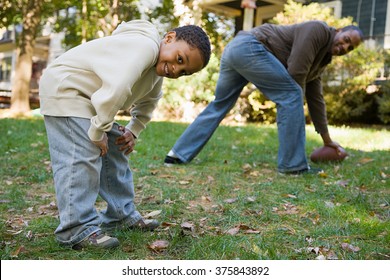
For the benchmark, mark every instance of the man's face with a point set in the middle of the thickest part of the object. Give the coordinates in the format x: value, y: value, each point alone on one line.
x: 344, y: 42
x: 177, y: 58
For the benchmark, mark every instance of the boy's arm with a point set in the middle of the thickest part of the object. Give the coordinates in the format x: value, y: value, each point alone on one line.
x: 142, y: 111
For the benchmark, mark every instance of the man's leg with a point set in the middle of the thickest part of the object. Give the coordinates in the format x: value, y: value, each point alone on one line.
x: 228, y: 89
x: 273, y: 80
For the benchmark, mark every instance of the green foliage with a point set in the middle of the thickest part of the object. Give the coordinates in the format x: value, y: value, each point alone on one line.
x: 220, y: 30
x: 163, y: 14
x: 383, y: 101
x: 263, y: 110
x: 197, y: 88
x: 12, y: 12
x: 346, y: 82
x: 295, y: 12
x: 87, y: 20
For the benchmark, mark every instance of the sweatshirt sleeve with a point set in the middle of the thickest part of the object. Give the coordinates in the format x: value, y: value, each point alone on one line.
x: 316, y: 105
x: 309, y: 38
x: 142, y: 111
x: 119, y: 65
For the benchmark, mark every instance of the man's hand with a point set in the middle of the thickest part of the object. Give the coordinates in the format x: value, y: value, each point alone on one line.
x: 126, y: 141
x: 103, y: 145
x: 330, y: 143
x: 251, y: 4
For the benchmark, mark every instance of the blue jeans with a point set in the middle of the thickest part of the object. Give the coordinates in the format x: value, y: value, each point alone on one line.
x: 81, y: 174
x: 245, y: 60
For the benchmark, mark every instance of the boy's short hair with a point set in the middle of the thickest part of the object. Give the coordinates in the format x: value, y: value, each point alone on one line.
x: 197, y: 38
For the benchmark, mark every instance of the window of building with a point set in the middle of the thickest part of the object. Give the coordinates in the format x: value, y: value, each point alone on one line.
x: 5, y: 69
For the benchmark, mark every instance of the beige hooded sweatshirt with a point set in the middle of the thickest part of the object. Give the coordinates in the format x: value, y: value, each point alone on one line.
x: 98, y: 78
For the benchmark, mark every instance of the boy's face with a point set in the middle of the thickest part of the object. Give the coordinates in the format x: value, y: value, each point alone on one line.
x: 177, y: 58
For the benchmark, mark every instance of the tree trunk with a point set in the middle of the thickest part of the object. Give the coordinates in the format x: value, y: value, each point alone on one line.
x: 20, y: 103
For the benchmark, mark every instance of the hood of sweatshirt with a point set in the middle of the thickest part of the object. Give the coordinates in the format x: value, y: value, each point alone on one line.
x: 141, y: 27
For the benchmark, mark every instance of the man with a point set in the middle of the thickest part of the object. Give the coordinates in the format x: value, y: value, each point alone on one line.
x: 284, y: 63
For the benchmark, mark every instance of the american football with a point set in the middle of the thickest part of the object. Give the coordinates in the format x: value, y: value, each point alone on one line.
x: 326, y: 154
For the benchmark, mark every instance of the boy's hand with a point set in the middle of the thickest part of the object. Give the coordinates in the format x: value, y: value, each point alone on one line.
x: 103, y: 145
x: 126, y: 141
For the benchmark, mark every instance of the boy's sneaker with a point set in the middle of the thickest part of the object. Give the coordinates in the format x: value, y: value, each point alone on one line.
x: 97, y: 240
x: 168, y: 161
x: 309, y: 170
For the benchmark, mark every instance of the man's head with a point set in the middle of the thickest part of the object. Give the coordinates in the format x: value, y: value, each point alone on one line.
x: 183, y: 51
x: 347, y: 39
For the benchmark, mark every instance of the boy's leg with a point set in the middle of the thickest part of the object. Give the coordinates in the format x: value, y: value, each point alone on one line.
x: 228, y: 89
x: 117, y: 187
x: 76, y: 166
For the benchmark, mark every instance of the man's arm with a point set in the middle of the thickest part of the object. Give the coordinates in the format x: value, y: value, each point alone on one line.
x: 309, y: 39
x: 317, y: 110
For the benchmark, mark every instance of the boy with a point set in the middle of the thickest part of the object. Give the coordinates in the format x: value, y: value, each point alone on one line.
x: 80, y: 94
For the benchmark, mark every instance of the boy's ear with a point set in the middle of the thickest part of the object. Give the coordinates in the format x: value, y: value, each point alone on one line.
x: 170, y: 37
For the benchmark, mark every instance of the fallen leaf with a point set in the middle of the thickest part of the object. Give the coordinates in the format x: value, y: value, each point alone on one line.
x: 183, y: 182
x: 233, y: 231
x: 323, y: 174
x: 366, y: 160
x: 16, y: 253
x: 331, y: 256
x: 309, y: 239
x: 230, y: 200
x: 158, y: 245
x: 167, y: 224
x: 153, y: 172
x: 383, y: 175
x: 246, y: 167
x: 314, y: 250
x: 329, y: 204
x: 187, y: 226
x: 251, y: 231
x: 343, y: 183
x: 29, y: 235
x: 166, y: 176
x: 153, y: 214
x: 210, y: 179
x: 349, y: 247
x: 289, y: 195
x: 254, y: 173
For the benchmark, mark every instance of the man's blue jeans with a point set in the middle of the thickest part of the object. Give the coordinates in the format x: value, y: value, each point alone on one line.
x: 245, y: 60
x: 81, y: 174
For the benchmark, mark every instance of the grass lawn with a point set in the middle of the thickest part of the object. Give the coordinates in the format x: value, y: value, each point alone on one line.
x: 229, y: 203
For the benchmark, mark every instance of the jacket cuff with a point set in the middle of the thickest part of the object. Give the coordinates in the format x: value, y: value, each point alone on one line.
x: 95, y: 134
x: 136, y: 127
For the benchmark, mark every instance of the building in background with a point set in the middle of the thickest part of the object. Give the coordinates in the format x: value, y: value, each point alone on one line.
x: 47, y: 47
